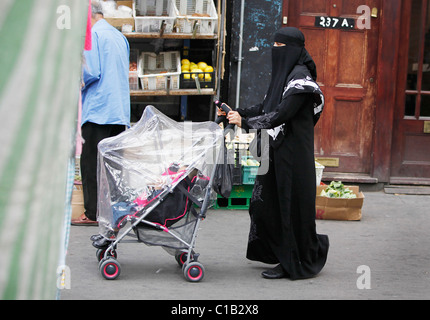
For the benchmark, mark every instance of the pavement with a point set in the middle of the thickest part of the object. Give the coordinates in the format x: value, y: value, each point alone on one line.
x: 385, y: 256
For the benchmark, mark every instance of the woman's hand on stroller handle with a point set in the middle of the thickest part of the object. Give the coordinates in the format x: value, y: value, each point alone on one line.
x: 234, y: 118
x: 223, y: 110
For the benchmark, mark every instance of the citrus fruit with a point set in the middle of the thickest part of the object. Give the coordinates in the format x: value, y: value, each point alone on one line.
x: 202, y: 65
x: 186, y: 75
x: 200, y: 73
x: 208, y: 69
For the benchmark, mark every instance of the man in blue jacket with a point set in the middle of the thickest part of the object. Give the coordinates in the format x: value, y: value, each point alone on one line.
x: 105, y: 102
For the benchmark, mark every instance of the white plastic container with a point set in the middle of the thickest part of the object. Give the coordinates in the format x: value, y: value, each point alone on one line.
x: 198, y: 16
x: 149, y: 15
x: 159, y: 72
x: 319, y: 169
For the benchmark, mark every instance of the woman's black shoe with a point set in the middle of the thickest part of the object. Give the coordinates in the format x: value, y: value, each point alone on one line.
x: 275, y: 273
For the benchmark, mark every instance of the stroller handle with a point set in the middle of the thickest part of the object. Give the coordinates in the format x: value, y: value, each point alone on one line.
x: 229, y: 127
x: 223, y: 119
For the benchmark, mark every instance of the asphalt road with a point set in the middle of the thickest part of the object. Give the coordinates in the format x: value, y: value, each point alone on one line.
x: 385, y: 256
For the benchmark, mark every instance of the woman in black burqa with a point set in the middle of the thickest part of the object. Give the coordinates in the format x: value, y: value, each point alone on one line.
x: 282, y: 208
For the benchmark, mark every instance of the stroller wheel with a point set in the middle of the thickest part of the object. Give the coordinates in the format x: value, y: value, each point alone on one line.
x: 110, y: 268
x: 194, y: 271
x: 101, y: 253
x: 181, y: 258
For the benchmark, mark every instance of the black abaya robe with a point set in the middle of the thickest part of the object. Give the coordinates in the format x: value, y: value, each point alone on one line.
x: 282, y: 208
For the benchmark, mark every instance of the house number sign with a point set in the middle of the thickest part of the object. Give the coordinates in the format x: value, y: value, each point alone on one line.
x: 334, y: 22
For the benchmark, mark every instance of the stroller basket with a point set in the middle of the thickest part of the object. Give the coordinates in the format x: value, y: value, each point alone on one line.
x: 154, y: 237
x: 157, y: 176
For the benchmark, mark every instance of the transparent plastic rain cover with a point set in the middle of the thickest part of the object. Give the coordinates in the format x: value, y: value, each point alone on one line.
x: 148, y: 161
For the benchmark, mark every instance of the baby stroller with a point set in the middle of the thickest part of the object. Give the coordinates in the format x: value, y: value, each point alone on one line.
x: 155, y: 187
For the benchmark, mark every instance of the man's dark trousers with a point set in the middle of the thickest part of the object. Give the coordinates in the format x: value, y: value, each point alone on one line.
x: 92, y: 134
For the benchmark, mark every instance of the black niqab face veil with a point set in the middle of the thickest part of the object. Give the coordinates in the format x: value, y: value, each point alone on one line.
x: 284, y: 59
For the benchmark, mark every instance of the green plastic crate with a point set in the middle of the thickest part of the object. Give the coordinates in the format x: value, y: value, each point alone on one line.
x: 239, y: 199
x: 249, y: 174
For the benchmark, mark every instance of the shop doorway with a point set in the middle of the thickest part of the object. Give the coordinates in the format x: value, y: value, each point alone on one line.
x: 344, y: 47
x: 411, y: 127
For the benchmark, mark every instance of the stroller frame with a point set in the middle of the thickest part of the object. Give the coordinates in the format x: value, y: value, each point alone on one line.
x: 192, y: 269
